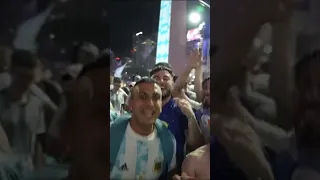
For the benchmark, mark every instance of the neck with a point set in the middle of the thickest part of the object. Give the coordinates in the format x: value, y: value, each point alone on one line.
x: 165, y: 101
x: 142, y: 130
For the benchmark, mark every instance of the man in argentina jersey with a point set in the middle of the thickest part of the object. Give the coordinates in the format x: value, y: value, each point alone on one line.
x: 140, y: 155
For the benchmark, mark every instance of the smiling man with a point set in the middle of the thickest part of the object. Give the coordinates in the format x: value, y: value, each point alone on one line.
x: 142, y: 146
x: 177, y: 113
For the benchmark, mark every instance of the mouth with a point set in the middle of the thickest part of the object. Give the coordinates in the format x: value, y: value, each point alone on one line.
x: 148, y: 113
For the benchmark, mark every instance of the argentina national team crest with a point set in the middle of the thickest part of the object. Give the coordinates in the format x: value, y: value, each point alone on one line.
x: 157, y: 166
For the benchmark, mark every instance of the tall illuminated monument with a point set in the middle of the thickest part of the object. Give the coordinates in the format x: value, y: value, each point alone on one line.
x: 171, y: 44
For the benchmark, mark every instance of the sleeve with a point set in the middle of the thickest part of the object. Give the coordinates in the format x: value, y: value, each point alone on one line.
x: 173, y: 163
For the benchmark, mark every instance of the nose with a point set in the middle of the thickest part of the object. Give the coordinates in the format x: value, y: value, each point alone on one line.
x: 149, y: 103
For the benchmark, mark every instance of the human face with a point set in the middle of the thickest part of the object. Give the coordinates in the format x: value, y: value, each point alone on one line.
x: 116, y: 86
x: 146, y: 103
x: 22, y: 78
x: 165, y: 81
x: 206, y: 94
x: 309, y: 96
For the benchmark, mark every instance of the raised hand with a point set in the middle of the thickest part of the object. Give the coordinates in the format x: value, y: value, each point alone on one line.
x: 185, y: 106
x: 195, y: 59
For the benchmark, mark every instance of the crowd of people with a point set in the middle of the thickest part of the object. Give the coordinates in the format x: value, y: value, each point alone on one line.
x: 261, y: 122
x: 39, y: 113
x: 248, y: 120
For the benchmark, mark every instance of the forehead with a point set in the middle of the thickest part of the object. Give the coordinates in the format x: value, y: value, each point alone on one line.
x: 148, y: 88
x: 162, y: 73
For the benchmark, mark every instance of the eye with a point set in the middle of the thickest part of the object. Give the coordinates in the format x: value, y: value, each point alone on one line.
x: 156, y: 97
x: 143, y: 96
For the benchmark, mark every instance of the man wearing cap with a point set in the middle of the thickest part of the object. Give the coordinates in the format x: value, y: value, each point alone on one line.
x: 177, y: 113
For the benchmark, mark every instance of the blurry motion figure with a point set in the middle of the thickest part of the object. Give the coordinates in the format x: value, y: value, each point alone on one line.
x: 23, y: 130
x: 86, y: 126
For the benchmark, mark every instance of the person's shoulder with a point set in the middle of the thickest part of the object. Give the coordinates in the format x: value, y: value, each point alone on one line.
x: 165, y: 124
x: 302, y: 173
x: 194, y: 157
x: 198, y: 152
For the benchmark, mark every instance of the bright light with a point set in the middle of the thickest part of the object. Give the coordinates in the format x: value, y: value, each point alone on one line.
x: 139, y: 33
x: 194, y: 18
x: 164, y: 31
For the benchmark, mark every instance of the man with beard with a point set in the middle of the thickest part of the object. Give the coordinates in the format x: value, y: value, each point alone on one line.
x: 177, y: 113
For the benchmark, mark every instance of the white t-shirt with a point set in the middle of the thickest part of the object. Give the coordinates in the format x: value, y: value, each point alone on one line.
x: 22, y: 123
x: 5, y: 81
x: 140, y: 157
x: 117, y: 99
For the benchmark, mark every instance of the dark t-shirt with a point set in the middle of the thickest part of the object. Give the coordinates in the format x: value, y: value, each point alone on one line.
x: 177, y: 124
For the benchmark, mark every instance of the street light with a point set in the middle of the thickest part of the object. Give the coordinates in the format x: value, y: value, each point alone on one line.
x: 139, y: 33
x: 194, y: 18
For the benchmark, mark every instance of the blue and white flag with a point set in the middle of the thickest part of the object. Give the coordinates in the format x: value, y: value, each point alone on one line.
x: 119, y: 70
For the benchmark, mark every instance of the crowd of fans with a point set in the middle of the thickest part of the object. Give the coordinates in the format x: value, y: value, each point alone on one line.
x: 244, y: 122
x: 260, y: 124
x: 38, y: 111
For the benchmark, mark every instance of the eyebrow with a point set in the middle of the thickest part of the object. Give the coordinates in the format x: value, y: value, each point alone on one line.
x: 153, y: 94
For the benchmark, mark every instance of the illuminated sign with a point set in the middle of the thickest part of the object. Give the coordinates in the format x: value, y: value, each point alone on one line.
x: 164, y: 32
x: 193, y: 34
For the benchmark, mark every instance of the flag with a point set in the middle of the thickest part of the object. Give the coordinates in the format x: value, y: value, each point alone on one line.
x: 28, y: 31
x: 119, y: 70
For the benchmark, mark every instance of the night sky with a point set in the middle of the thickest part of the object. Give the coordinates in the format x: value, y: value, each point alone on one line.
x: 130, y: 17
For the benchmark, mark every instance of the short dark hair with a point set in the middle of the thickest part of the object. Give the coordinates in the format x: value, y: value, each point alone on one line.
x: 117, y: 80
x: 303, y: 63
x: 145, y: 80
x: 23, y: 58
x: 142, y: 80
x: 162, y: 66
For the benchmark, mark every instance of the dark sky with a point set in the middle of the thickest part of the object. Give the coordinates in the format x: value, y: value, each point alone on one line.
x: 130, y: 17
